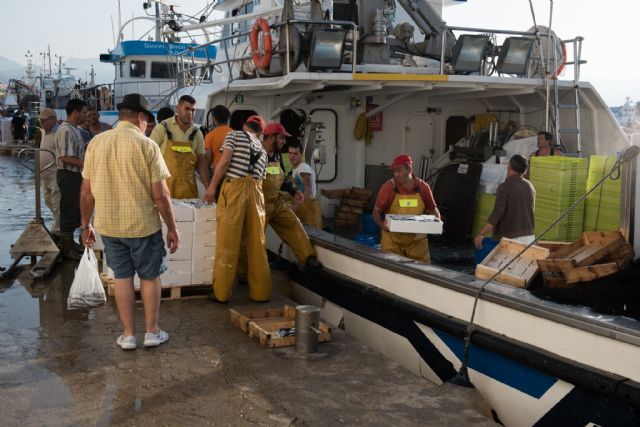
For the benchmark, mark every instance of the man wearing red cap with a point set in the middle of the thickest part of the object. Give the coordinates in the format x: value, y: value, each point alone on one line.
x: 240, y: 212
x: 278, y: 213
x: 405, y: 194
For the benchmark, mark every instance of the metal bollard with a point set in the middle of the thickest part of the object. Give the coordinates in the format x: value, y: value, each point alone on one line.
x: 307, y: 328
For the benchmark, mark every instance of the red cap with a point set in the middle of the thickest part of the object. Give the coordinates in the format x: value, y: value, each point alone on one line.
x: 402, y: 159
x: 275, y: 128
x: 257, y: 119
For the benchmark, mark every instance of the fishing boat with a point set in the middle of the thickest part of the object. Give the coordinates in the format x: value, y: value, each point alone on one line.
x: 323, y: 69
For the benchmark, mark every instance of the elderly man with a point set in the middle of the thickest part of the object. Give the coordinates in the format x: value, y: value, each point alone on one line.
x: 405, y: 194
x: 125, y: 180
x: 182, y: 146
x: 512, y: 214
x: 240, y: 212
x: 70, y: 150
x: 48, y: 182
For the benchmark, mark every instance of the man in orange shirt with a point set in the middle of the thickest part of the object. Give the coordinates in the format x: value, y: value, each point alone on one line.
x: 214, y: 139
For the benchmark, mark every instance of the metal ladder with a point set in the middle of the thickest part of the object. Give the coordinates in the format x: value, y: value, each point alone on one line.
x: 573, y: 104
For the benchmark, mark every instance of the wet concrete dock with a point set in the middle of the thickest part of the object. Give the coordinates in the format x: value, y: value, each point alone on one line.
x: 60, y: 367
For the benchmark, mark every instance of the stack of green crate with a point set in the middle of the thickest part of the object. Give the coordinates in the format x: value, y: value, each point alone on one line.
x: 484, y: 207
x: 559, y: 183
x: 602, y: 209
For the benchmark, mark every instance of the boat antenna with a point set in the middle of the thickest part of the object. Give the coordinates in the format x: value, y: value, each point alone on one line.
x: 113, y: 32
x: 462, y: 377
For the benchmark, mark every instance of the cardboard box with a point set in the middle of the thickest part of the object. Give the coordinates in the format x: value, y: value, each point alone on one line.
x: 201, y: 264
x: 204, y: 227
x: 201, y: 211
x: 203, y: 251
x: 202, y: 277
x: 175, y: 279
x: 183, y: 212
x: 182, y: 266
x: 204, y: 239
x: 420, y: 224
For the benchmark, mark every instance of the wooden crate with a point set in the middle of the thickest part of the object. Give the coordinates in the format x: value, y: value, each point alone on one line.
x: 521, y: 272
x: 242, y: 319
x: 591, y: 248
x: 334, y: 194
x: 613, y: 263
x: 267, y: 332
x: 265, y: 324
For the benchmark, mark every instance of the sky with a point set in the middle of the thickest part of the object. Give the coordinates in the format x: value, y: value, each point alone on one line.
x: 83, y: 29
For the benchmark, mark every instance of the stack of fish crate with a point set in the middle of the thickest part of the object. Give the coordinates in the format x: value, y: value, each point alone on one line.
x: 559, y: 183
x: 192, y: 263
x: 602, y: 208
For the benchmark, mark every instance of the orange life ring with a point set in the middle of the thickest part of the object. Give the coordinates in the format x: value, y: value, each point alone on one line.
x: 261, y: 26
x: 564, y: 59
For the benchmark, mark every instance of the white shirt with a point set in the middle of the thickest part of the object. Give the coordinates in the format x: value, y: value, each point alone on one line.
x: 305, y: 168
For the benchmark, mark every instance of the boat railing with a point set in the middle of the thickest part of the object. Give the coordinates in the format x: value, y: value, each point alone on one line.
x: 553, y: 63
x: 192, y: 72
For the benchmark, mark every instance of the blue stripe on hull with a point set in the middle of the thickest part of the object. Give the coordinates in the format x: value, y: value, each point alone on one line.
x: 517, y: 375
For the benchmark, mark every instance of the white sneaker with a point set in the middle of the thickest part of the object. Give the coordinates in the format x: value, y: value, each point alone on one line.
x: 126, y: 343
x: 154, y: 340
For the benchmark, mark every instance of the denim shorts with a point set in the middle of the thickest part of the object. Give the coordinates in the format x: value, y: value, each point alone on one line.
x: 143, y: 255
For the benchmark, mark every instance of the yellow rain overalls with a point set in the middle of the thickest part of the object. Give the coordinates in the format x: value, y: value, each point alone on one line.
x: 241, y: 213
x: 310, y: 213
x: 410, y: 245
x: 181, y: 161
x: 280, y: 216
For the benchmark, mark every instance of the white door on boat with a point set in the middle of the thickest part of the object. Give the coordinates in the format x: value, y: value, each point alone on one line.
x: 418, y: 139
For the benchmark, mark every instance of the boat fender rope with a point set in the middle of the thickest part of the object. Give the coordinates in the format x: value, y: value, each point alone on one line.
x: 261, y: 27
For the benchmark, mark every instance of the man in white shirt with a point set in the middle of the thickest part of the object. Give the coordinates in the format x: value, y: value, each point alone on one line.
x: 305, y: 178
x: 48, y: 180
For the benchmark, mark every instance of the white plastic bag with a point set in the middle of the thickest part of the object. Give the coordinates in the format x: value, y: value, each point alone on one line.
x: 86, y: 290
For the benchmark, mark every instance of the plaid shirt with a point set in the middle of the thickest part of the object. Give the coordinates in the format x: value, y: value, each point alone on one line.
x: 68, y: 143
x: 121, y: 164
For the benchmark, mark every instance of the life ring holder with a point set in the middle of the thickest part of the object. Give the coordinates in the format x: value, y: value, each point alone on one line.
x: 261, y: 26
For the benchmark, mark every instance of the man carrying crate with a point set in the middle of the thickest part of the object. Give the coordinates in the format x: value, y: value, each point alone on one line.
x: 405, y: 194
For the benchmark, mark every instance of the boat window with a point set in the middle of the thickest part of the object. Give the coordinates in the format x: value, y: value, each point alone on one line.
x: 163, y: 70
x: 137, y: 68
x: 242, y: 26
x: 238, y: 118
x: 121, y: 68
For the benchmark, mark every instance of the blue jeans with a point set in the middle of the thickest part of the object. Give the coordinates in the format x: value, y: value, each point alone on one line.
x: 144, y: 255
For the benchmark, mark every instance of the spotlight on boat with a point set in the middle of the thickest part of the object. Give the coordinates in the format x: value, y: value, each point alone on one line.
x: 514, y: 56
x: 326, y: 49
x: 469, y: 53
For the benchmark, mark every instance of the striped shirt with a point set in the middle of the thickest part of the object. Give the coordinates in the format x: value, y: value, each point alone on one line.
x: 242, y: 144
x: 69, y: 143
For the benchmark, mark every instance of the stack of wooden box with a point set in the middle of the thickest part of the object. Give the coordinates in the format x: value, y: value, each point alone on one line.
x: 192, y: 263
x: 596, y: 254
x: 352, y: 205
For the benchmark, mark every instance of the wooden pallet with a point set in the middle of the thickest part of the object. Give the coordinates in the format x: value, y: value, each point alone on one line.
x: 521, y: 272
x: 592, y: 247
x: 265, y: 325
x: 168, y: 293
